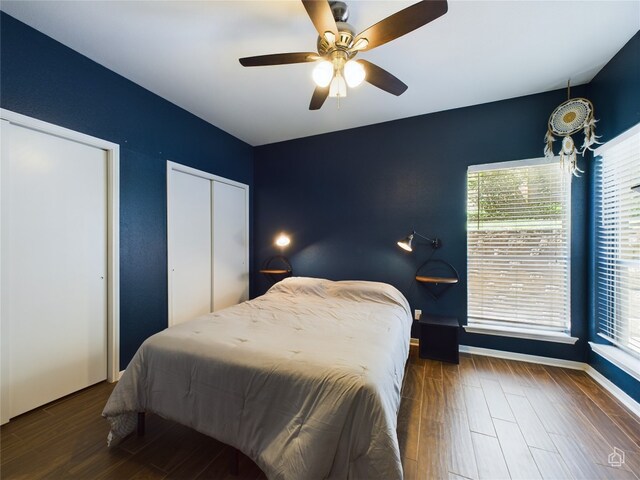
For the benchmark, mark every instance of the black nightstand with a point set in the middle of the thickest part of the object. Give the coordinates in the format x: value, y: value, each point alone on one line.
x: 439, y: 338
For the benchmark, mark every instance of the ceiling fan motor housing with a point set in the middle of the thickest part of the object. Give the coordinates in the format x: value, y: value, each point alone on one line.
x: 340, y: 11
x: 346, y: 32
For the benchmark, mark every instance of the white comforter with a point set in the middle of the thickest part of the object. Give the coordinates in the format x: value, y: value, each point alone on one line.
x: 305, y: 380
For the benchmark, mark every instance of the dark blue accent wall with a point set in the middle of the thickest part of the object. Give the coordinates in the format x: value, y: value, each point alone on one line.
x: 347, y: 197
x: 44, y: 79
x: 615, y: 92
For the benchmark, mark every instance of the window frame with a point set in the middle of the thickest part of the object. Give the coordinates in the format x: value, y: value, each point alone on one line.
x: 508, y: 329
x: 609, y: 348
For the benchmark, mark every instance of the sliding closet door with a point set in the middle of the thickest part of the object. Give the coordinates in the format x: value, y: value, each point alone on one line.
x: 54, y: 265
x: 189, y: 206
x: 230, y: 245
x: 208, y: 242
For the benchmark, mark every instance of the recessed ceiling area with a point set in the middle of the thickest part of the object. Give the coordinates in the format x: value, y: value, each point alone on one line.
x: 479, y: 51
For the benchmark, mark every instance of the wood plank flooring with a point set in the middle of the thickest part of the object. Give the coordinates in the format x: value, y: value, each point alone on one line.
x: 486, y: 418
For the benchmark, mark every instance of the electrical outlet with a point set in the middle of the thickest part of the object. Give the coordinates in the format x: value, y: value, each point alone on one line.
x: 416, y: 314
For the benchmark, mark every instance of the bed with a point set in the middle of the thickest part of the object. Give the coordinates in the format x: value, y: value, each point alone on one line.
x: 305, y: 380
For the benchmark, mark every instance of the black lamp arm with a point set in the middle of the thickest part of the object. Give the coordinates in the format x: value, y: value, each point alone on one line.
x: 435, y: 242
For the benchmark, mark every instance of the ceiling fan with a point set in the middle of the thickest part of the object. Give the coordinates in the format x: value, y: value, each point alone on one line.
x: 338, y: 45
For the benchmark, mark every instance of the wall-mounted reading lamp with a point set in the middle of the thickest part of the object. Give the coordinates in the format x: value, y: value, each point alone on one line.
x: 436, y: 275
x: 407, y: 242
x: 282, y: 240
x: 278, y: 266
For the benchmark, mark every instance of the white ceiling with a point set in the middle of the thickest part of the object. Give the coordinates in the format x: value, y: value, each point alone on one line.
x: 480, y: 51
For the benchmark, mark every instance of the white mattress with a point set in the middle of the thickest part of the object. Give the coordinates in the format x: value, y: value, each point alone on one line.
x: 305, y: 380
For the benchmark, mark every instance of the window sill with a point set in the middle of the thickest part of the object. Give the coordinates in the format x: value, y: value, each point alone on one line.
x: 543, y: 336
x: 619, y: 358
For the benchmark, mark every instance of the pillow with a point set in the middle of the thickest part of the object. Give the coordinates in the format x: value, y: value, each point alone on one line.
x: 301, y: 286
x: 364, y: 291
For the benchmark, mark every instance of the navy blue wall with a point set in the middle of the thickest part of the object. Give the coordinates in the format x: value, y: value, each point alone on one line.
x: 46, y: 80
x: 347, y: 197
x: 615, y: 92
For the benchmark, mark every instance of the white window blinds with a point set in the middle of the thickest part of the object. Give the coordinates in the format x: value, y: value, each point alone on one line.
x: 518, y: 241
x: 618, y: 241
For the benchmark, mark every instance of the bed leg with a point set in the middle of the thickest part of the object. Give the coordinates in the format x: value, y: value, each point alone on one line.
x: 234, y: 458
x: 140, y: 424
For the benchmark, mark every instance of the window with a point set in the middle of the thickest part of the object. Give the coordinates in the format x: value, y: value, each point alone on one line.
x: 618, y: 241
x: 518, y: 240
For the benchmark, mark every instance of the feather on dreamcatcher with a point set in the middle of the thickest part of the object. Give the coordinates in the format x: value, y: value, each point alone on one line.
x: 568, y: 118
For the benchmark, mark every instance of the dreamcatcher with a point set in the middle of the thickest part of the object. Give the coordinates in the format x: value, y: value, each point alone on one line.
x: 568, y: 118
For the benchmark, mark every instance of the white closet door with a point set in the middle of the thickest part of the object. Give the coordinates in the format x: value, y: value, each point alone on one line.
x: 54, y: 265
x: 190, y: 246
x: 230, y: 245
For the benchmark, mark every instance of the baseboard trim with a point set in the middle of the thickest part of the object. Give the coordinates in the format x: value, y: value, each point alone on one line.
x: 603, y: 381
x: 523, y: 357
x: 614, y: 390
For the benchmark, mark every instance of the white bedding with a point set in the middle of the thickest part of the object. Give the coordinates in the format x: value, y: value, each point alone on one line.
x: 305, y: 380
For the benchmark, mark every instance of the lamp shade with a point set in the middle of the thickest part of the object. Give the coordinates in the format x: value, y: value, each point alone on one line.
x: 283, y: 240
x: 405, y: 243
x: 338, y: 87
x: 323, y: 73
x: 354, y: 73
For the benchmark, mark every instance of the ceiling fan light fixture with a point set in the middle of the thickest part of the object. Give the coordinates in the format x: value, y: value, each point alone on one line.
x: 323, y: 73
x: 354, y: 73
x: 338, y: 87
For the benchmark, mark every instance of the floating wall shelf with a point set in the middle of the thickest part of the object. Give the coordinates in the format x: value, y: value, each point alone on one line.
x: 437, y: 276
x: 275, y: 271
x: 276, y: 268
x: 436, y: 280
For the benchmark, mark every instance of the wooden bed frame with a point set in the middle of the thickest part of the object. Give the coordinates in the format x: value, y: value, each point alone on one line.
x: 234, y: 453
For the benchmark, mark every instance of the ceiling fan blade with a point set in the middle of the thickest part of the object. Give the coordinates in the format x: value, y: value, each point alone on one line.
x: 279, y: 59
x: 320, y: 14
x: 402, y: 22
x: 382, y: 79
x: 320, y: 94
